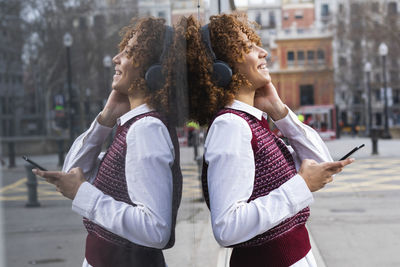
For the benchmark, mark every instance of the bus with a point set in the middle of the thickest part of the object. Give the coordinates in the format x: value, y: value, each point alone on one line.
x: 320, y: 117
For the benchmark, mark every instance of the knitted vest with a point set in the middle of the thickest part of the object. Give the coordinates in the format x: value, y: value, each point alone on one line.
x: 104, y: 248
x: 274, y: 166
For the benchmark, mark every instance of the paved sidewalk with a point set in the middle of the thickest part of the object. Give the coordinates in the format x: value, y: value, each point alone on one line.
x: 354, y: 220
x: 53, y: 235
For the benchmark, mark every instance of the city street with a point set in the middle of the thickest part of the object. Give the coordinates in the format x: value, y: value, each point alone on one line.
x: 354, y: 220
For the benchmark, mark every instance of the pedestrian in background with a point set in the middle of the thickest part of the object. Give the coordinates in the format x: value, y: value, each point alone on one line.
x: 258, y: 189
x: 129, y: 197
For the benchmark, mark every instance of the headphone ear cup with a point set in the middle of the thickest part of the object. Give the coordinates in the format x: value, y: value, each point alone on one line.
x: 154, y: 77
x: 222, y: 73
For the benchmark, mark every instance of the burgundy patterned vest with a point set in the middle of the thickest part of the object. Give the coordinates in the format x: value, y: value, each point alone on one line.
x: 104, y: 248
x: 287, y: 242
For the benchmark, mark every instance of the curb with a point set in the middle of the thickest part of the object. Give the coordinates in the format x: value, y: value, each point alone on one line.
x: 315, y: 250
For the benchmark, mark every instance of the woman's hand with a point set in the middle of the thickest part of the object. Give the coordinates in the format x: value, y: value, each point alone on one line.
x: 317, y: 175
x: 267, y: 99
x: 116, y: 106
x: 66, y: 183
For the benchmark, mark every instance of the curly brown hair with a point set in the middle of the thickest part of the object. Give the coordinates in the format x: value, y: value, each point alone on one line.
x: 205, y: 97
x: 150, y: 35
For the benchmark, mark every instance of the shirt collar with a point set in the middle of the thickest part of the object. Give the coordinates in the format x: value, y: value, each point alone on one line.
x: 144, y: 108
x: 239, y: 105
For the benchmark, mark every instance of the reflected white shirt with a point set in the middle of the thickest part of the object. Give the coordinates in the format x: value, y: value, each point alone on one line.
x: 231, y: 171
x: 149, y: 157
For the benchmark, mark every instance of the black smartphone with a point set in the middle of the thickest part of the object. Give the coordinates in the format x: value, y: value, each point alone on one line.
x: 33, y: 163
x: 352, y: 151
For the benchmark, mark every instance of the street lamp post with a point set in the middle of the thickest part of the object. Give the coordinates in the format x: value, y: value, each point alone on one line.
x: 67, y: 43
x: 107, y: 62
x: 367, y: 70
x: 383, y: 51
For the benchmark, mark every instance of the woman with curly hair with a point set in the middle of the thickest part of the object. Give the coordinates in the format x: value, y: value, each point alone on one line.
x: 129, y: 198
x: 258, y: 189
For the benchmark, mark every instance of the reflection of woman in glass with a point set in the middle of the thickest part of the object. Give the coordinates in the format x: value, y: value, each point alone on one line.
x: 258, y: 189
x: 130, y: 197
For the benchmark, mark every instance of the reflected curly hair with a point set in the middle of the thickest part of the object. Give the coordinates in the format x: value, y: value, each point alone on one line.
x: 150, y: 35
x: 205, y: 97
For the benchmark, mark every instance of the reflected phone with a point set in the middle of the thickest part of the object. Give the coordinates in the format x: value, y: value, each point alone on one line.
x: 352, y: 151
x: 34, y: 163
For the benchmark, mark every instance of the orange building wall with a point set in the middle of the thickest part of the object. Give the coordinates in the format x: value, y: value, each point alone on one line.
x: 305, y: 22
x: 295, y: 45
x: 288, y: 86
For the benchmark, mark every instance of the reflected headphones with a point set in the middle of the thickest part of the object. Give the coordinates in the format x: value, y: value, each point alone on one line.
x: 154, y: 76
x: 222, y: 73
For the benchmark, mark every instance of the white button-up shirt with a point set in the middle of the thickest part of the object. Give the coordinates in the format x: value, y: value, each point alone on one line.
x: 231, y: 170
x: 149, y: 158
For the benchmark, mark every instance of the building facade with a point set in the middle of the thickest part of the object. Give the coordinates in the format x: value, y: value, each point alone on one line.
x: 11, y: 72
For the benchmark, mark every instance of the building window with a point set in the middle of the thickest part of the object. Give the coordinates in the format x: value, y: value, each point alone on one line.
x: 342, y: 62
x: 325, y: 10
x: 161, y: 14
x: 83, y: 22
x: 356, y: 45
x: 396, y: 96
x: 357, y: 97
x: 290, y: 57
x: 306, y: 95
x: 258, y: 18
x: 300, y: 57
x: 377, y: 95
x: 375, y: 7
x: 272, y: 22
x: 321, y: 56
x: 298, y: 14
x: 286, y: 15
x: 378, y: 119
x: 341, y: 9
x: 310, y: 56
x: 392, y: 8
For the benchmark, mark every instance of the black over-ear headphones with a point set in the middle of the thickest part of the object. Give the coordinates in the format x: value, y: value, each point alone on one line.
x: 222, y: 73
x: 154, y: 76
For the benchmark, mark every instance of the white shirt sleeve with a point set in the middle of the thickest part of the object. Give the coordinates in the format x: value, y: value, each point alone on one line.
x: 304, y: 140
x: 84, y: 152
x: 231, y: 170
x: 149, y: 157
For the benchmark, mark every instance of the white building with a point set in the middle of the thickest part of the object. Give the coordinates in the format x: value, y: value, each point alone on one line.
x: 155, y: 8
x: 268, y: 14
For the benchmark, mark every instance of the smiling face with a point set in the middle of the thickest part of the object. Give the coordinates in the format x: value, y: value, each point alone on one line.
x: 125, y: 71
x: 254, y: 65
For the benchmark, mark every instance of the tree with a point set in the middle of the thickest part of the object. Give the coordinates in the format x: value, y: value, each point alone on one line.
x: 95, y: 32
x: 360, y: 28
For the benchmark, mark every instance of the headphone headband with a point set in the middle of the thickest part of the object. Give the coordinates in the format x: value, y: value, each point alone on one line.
x: 205, y: 35
x: 154, y: 77
x: 169, y: 32
x: 222, y: 72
